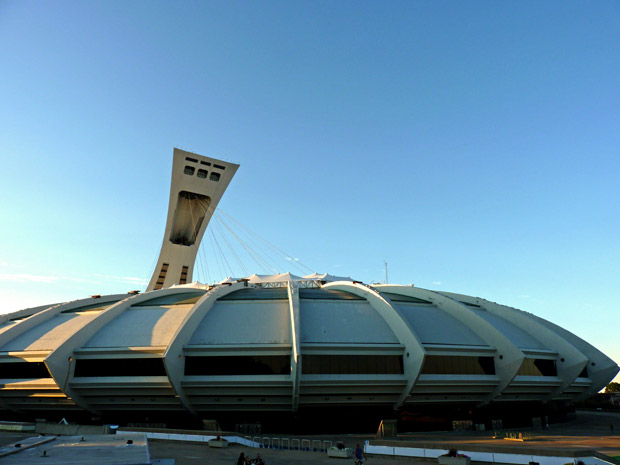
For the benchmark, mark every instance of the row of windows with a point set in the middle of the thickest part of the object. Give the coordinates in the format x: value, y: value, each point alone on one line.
x: 24, y: 370
x: 206, y: 163
x: 190, y: 170
x: 352, y: 364
x: 455, y: 365
x: 450, y: 365
x: 101, y: 367
x: 244, y: 365
x: 279, y: 365
x: 538, y: 367
x: 238, y: 365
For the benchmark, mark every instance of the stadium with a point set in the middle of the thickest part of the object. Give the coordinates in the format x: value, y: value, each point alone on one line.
x: 314, y: 349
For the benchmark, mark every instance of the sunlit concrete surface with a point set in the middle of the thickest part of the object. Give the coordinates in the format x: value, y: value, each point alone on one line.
x: 589, y: 432
x: 98, y: 449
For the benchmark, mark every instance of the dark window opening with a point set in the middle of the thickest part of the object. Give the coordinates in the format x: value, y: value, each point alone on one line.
x: 191, y: 159
x: 456, y: 365
x: 327, y: 294
x: 219, y: 167
x: 278, y: 293
x: 24, y: 370
x: 546, y: 367
x: 214, y: 176
x: 189, y: 170
x: 202, y: 174
x: 184, y: 298
x: 162, y: 276
x: 584, y: 372
x: 188, y: 217
x: 404, y: 298
x: 183, y: 278
x: 538, y: 367
x: 352, y: 364
x: 91, y: 308
x: 238, y: 365
x: 206, y: 163
x: 119, y: 367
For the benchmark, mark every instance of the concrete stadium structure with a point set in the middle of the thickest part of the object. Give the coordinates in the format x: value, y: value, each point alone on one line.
x: 279, y: 343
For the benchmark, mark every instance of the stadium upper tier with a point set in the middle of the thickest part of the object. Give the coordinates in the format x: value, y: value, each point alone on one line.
x: 283, y: 342
x: 279, y: 342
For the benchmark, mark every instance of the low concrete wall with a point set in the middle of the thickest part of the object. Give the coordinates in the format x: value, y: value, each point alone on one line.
x: 16, y: 426
x: 71, y: 430
x: 495, y: 455
x: 200, y: 438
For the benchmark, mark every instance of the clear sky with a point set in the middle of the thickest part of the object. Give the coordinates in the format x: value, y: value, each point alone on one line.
x: 474, y: 146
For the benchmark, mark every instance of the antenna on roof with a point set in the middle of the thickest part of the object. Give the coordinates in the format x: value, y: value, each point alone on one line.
x: 386, y: 273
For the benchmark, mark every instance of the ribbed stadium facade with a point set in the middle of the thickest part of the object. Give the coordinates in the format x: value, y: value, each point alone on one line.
x: 284, y: 343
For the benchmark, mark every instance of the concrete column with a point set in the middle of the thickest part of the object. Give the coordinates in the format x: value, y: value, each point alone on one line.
x: 174, y: 359
x: 293, y: 301
x: 508, y: 357
x: 414, y: 351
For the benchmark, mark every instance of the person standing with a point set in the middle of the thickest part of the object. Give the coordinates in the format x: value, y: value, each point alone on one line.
x: 359, y: 454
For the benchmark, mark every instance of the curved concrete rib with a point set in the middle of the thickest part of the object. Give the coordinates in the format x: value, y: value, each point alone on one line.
x: 570, y: 361
x: 25, y: 312
x: 48, y: 313
x: 293, y: 302
x: 59, y: 362
x: 174, y: 360
x: 415, y: 353
x: 601, y: 369
x: 508, y: 358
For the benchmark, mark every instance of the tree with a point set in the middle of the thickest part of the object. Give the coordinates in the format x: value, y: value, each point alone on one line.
x: 613, y: 387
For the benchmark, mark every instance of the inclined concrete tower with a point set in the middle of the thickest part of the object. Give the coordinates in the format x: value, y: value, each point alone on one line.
x: 197, y: 186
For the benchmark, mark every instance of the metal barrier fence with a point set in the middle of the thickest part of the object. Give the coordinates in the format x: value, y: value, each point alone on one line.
x: 306, y: 445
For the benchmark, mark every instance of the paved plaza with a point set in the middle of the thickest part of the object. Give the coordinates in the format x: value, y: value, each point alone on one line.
x: 589, y: 431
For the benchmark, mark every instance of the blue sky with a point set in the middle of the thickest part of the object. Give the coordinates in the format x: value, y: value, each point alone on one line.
x: 474, y: 146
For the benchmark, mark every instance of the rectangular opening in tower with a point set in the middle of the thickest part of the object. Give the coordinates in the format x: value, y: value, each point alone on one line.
x: 188, y: 217
x: 183, y: 279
